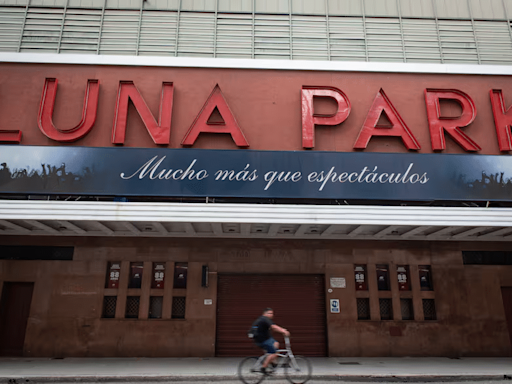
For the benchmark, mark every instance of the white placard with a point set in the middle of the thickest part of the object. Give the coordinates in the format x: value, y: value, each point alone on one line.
x: 335, y: 306
x: 338, y: 282
x: 208, y: 301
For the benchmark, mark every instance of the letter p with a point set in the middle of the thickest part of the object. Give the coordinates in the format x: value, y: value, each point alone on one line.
x: 310, y: 118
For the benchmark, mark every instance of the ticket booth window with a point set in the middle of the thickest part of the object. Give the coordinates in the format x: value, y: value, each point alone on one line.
x: 158, y: 278
x: 180, y: 275
x: 425, y: 273
x: 113, y: 274
x: 402, y: 272
x: 383, y: 277
x: 136, y: 270
x: 360, y: 278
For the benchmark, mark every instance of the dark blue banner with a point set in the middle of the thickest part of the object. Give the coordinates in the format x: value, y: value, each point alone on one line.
x: 247, y: 173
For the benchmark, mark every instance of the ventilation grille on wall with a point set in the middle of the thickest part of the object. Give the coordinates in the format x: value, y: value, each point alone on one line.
x: 386, y: 309
x: 109, y: 307
x: 363, y: 309
x: 178, y: 307
x: 167, y: 32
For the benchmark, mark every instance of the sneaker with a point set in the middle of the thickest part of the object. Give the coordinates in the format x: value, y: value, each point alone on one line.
x: 264, y: 371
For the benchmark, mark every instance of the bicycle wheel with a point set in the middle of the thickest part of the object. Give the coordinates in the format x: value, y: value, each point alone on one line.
x: 298, y: 372
x: 249, y: 371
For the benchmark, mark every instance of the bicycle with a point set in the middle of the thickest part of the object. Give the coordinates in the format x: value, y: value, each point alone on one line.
x: 297, y: 369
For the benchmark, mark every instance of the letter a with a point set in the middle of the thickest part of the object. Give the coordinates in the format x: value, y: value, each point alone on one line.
x: 201, y: 124
x: 371, y: 128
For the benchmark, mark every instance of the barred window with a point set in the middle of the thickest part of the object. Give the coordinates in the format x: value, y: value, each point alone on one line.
x: 407, y: 309
x: 109, y: 307
x: 155, y: 307
x: 386, y: 309
x: 429, y: 309
x: 178, y: 307
x: 132, y: 307
x: 363, y: 309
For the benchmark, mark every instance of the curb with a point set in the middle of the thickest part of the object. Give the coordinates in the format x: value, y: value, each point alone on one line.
x: 209, y: 378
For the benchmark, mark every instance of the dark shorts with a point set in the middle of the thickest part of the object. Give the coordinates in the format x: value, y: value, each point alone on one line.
x: 268, y: 345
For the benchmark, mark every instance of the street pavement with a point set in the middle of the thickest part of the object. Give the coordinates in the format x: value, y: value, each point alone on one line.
x: 204, y: 370
x: 283, y: 381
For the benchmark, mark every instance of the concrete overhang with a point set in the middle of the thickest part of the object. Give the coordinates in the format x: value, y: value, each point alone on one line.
x: 271, y: 221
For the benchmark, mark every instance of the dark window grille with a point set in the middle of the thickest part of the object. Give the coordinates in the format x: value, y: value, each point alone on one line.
x: 132, y: 307
x: 180, y: 275
x: 487, y: 257
x: 136, y: 270
x: 429, y: 309
x: 425, y: 273
x: 155, y: 307
x: 386, y: 309
x: 178, y: 307
x: 363, y: 309
x: 109, y: 307
x: 24, y: 252
x: 382, y: 277
x: 407, y: 309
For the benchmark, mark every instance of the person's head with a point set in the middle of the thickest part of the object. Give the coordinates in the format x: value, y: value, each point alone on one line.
x: 268, y: 312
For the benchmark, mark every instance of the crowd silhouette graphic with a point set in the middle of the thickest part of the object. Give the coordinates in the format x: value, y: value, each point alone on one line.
x: 48, y: 177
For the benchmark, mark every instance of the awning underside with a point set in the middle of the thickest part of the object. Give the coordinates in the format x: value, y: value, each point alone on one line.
x: 74, y: 218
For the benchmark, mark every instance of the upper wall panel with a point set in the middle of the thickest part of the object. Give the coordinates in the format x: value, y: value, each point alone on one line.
x: 245, y: 6
x: 417, y: 8
x: 421, y: 9
x: 487, y: 9
x: 345, y: 7
x: 381, y: 8
x: 452, y: 9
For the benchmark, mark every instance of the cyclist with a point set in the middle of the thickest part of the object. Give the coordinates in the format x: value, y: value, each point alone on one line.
x: 263, y: 336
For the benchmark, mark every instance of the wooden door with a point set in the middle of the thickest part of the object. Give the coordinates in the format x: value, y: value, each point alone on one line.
x: 14, y: 312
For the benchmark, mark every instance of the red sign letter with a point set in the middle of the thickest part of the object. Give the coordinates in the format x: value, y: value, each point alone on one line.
x: 310, y: 118
x: 160, y: 132
x: 502, y: 120
x: 229, y: 125
x: 45, y: 116
x: 438, y: 124
x: 8, y: 136
x: 398, y: 127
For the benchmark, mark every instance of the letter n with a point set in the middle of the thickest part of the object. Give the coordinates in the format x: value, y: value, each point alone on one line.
x: 438, y: 125
x: 310, y: 118
x: 398, y: 128
x: 159, y: 131
x: 502, y: 120
x: 45, y: 115
x: 229, y: 125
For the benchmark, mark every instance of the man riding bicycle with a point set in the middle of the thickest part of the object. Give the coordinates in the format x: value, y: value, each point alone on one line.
x: 263, y: 337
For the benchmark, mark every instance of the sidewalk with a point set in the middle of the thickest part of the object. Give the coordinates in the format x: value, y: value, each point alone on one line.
x: 220, y: 369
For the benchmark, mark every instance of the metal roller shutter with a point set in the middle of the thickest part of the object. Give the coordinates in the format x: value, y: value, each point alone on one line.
x: 298, y: 302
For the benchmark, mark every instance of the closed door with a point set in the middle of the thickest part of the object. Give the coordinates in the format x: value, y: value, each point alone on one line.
x: 14, y: 312
x: 298, y: 302
x: 506, y: 295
